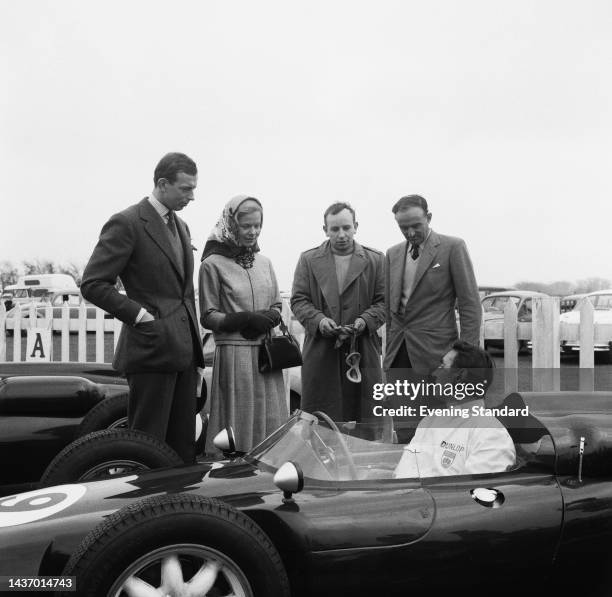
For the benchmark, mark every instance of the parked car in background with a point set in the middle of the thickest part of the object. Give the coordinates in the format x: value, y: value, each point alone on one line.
x: 487, y: 290
x: 602, y: 322
x: 567, y: 303
x: 493, y: 307
x: 35, y: 287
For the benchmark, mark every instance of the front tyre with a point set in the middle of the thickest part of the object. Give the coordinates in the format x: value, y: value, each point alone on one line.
x: 178, y: 545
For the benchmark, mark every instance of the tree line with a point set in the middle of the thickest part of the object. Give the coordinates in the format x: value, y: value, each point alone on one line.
x: 565, y: 288
x: 10, y: 272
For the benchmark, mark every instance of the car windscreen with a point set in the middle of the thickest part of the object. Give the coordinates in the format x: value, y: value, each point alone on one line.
x: 601, y: 301
x: 498, y: 303
x: 327, y: 451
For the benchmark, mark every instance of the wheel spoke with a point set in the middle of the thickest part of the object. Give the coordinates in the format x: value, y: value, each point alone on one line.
x: 136, y: 587
x: 171, y: 576
x: 203, y: 580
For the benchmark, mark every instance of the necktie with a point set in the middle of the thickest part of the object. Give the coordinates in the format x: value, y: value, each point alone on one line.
x: 414, y: 251
x: 171, y: 223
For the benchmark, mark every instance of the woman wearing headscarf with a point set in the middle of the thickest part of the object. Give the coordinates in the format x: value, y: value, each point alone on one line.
x: 240, y: 302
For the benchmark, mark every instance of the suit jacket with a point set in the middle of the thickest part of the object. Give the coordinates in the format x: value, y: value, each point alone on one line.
x: 134, y: 245
x: 315, y: 295
x: 428, y: 326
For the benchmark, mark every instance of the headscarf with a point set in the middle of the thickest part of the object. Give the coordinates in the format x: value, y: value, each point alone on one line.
x: 223, y: 239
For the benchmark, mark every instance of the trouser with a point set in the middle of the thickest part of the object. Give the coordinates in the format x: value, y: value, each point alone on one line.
x: 164, y: 405
x: 400, y: 371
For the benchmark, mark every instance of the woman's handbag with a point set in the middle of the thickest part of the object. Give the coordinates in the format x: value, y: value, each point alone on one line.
x: 279, y: 352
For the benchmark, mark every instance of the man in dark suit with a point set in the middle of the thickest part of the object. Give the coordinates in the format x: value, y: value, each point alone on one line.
x: 149, y: 248
x: 425, y: 276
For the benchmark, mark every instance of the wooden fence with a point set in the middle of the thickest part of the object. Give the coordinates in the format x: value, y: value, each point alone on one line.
x: 545, y: 333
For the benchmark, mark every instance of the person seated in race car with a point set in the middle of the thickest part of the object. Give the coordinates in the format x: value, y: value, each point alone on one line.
x: 459, y: 437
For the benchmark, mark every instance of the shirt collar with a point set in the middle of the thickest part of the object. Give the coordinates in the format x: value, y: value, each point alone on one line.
x: 423, y: 243
x: 160, y: 208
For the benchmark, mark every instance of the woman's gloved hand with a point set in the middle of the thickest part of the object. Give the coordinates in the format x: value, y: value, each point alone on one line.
x: 235, y: 322
x: 273, y: 315
x: 259, y: 324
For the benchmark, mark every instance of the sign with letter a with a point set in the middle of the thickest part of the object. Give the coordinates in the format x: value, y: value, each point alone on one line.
x: 38, y: 346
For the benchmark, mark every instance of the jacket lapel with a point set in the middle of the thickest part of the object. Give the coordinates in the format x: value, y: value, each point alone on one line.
x: 357, y: 264
x: 324, y: 270
x: 187, y: 248
x: 397, y: 263
x: 155, y: 228
x: 429, y: 252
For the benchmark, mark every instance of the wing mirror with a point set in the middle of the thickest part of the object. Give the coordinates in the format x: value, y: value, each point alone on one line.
x: 226, y: 442
x: 289, y: 478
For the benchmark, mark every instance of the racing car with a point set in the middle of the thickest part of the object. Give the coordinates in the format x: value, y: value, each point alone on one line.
x: 316, y: 509
x: 44, y: 407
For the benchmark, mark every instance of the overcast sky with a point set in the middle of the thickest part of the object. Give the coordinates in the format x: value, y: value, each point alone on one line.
x: 499, y: 113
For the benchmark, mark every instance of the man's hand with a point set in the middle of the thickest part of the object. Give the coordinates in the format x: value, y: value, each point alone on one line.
x: 359, y: 326
x: 328, y: 327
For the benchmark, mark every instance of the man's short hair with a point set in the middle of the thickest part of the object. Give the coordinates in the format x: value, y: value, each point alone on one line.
x: 336, y: 208
x: 171, y: 164
x: 411, y: 201
x: 475, y: 361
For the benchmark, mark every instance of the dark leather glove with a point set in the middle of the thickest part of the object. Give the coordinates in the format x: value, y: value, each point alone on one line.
x: 273, y: 315
x: 235, y: 322
x: 259, y: 324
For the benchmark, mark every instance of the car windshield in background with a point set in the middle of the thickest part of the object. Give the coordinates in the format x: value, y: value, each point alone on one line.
x: 39, y: 292
x: 599, y: 301
x: 498, y: 303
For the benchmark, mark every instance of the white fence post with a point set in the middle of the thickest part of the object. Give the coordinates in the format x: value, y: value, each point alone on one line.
x: 587, y: 351
x: 65, y: 323
x: 546, y: 359
x: 49, y: 325
x: 510, y: 348
x: 17, y: 334
x: 2, y: 332
x: 99, y: 336
x: 82, y: 332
